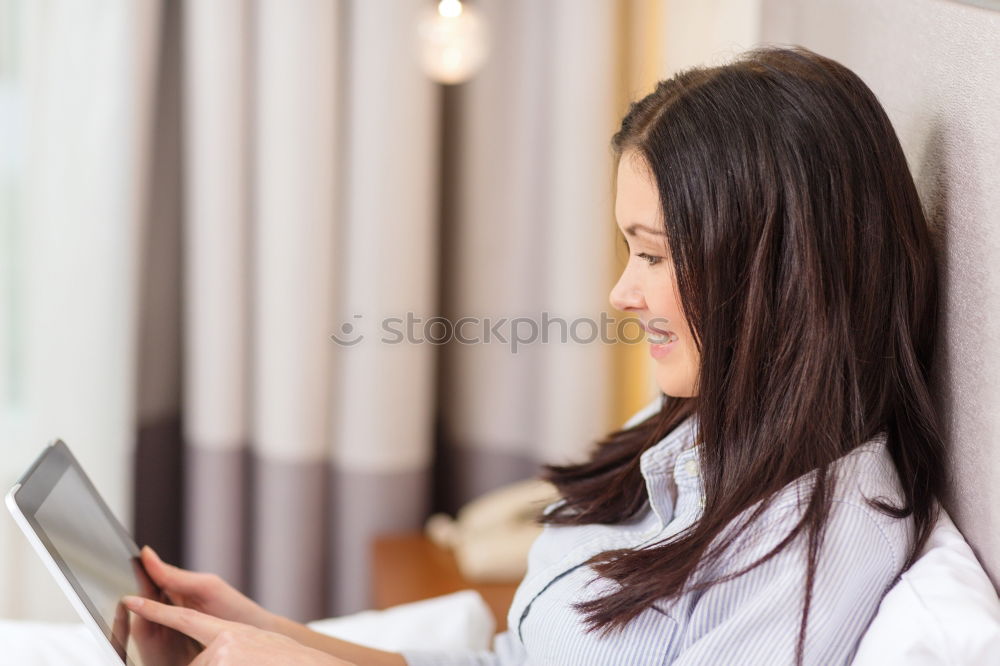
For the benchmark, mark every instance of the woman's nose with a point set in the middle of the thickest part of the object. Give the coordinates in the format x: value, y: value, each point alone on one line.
x: 625, y: 295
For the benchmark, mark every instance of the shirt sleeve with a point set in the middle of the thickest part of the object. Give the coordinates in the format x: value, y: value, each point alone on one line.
x: 507, y: 651
x: 754, y: 618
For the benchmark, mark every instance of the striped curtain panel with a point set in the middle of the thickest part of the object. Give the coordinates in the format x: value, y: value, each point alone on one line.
x: 530, y: 236
x: 71, y: 223
x: 329, y: 186
x: 312, y: 186
x: 310, y: 174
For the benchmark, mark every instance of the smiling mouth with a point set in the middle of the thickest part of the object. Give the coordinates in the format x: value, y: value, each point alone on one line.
x: 657, y: 337
x: 664, y: 340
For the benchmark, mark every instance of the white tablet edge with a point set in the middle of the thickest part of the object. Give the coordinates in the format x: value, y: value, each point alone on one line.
x: 104, y: 644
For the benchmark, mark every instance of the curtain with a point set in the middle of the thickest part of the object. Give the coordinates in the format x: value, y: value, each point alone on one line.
x: 70, y: 301
x: 327, y: 182
x: 312, y: 185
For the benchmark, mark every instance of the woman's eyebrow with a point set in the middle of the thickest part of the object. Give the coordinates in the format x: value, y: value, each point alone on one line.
x: 631, y: 229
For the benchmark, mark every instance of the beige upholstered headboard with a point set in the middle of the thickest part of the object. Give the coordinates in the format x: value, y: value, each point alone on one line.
x: 935, y: 65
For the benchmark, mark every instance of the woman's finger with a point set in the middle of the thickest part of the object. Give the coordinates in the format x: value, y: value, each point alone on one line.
x: 167, y: 575
x: 199, y: 626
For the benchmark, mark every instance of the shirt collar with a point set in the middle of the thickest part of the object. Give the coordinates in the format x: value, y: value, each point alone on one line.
x: 672, y: 473
x: 680, y: 441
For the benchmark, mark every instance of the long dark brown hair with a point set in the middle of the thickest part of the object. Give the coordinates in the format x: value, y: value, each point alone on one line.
x: 806, y: 272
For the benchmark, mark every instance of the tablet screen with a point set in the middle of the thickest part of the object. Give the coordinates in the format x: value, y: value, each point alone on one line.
x: 98, y: 558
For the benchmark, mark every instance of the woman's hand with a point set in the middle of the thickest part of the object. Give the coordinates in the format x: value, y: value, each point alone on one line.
x: 229, y: 643
x: 204, y: 592
x: 158, y: 645
x: 207, y: 595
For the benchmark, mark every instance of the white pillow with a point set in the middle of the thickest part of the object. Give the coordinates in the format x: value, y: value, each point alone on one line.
x: 29, y: 643
x: 457, y: 621
x: 943, y: 610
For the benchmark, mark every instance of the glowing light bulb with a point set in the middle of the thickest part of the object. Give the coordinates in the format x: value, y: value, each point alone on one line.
x: 450, y: 8
x: 453, y: 42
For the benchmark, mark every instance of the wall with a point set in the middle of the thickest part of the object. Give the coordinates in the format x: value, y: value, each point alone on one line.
x: 934, y: 66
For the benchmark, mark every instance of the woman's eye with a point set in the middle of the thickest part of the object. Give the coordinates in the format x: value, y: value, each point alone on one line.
x: 648, y: 258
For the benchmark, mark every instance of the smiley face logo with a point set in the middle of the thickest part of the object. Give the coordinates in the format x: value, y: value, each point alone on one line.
x: 348, y: 337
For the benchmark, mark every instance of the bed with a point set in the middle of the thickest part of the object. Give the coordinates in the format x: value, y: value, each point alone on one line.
x: 943, y: 610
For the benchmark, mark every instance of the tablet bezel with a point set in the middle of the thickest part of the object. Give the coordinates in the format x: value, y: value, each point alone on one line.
x: 24, y: 499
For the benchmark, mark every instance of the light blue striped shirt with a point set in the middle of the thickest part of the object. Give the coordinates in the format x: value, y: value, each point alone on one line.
x: 752, y: 619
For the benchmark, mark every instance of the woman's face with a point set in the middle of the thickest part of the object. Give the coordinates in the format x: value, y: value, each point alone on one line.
x: 647, y: 287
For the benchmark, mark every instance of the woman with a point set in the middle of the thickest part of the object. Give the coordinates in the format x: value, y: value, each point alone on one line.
x: 757, y: 512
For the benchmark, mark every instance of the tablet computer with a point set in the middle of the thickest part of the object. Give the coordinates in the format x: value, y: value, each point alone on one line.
x: 94, y: 560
